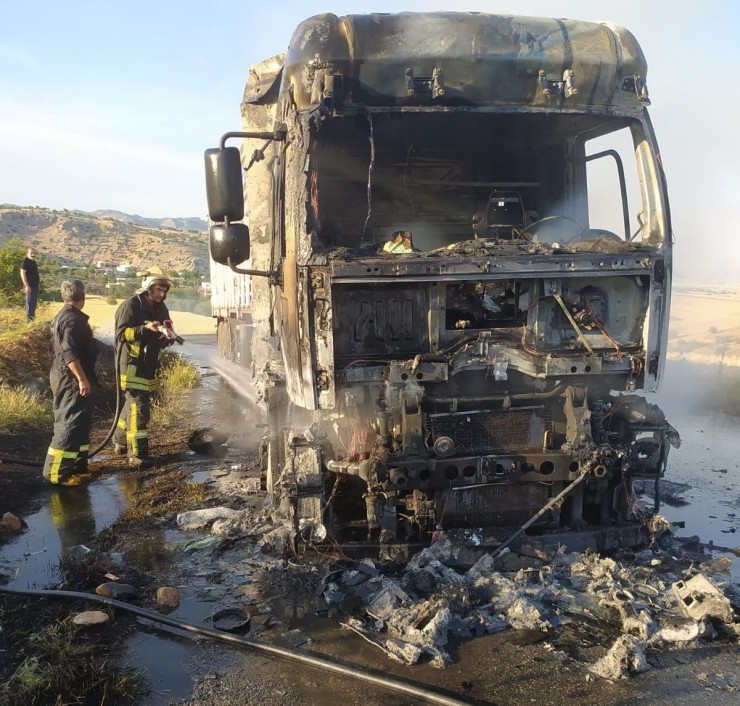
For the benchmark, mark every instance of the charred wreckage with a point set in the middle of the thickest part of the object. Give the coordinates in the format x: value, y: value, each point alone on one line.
x: 451, y: 309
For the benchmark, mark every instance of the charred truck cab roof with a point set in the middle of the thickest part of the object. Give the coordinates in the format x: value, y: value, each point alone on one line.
x: 467, y: 60
x: 464, y: 225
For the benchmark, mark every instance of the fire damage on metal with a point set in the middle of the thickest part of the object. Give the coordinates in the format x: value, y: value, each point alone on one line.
x: 455, y: 279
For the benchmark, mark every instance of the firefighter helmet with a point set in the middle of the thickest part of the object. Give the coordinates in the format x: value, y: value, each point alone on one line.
x: 154, y: 275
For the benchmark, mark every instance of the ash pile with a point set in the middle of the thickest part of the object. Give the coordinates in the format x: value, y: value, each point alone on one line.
x: 638, y: 603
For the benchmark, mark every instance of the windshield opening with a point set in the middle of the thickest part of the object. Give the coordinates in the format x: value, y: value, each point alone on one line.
x: 447, y: 178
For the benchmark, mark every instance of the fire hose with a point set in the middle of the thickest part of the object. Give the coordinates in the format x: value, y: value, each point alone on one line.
x: 311, y: 660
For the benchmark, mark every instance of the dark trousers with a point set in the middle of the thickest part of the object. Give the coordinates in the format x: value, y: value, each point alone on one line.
x: 133, y: 423
x: 70, y: 443
x: 31, y: 299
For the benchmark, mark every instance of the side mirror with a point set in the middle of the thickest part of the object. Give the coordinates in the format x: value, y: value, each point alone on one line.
x: 224, y: 190
x: 229, y: 244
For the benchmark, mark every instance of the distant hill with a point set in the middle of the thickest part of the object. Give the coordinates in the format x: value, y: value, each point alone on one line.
x: 77, y: 238
x: 198, y: 224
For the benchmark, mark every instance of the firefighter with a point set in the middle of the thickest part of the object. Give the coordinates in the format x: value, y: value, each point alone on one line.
x: 141, y: 326
x: 72, y: 378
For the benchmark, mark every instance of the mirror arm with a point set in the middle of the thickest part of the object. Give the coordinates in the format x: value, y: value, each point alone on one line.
x: 278, y: 135
x: 253, y: 273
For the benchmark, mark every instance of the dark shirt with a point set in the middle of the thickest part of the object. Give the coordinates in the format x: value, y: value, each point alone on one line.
x: 73, y: 340
x: 32, y: 272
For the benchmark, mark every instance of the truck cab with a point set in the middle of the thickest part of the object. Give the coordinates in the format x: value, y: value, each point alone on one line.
x: 457, y: 231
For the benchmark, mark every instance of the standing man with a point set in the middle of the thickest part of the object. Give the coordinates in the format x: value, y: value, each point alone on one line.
x: 31, y: 282
x: 141, y: 333
x: 72, y: 377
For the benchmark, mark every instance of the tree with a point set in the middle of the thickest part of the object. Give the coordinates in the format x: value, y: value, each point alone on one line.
x: 11, y: 256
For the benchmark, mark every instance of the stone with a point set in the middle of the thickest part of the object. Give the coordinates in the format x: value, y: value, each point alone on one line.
x: 111, y: 589
x: 91, y: 617
x: 11, y: 523
x: 168, y: 597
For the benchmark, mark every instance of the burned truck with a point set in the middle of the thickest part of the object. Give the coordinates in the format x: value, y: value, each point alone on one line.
x: 459, y: 246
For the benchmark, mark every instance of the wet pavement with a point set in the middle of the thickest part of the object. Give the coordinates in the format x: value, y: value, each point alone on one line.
x: 69, y: 519
x: 708, y: 461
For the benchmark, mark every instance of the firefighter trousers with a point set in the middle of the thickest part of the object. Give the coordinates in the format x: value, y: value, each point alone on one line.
x: 132, y: 429
x: 70, y: 443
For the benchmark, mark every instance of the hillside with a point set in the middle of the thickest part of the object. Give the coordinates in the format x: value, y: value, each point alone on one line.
x: 78, y: 239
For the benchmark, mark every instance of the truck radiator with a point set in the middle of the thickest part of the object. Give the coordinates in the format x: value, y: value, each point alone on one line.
x: 495, y: 505
x: 501, y: 431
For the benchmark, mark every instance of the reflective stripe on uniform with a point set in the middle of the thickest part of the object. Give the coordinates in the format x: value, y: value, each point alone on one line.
x: 58, y: 455
x: 131, y: 381
x: 129, y: 334
x: 134, y: 434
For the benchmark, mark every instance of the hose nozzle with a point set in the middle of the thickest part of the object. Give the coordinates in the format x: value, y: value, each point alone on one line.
x: 167, y: 329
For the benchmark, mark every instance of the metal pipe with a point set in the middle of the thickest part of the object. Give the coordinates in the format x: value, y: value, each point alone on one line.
x: 278, y: 135
x: 502, y: 398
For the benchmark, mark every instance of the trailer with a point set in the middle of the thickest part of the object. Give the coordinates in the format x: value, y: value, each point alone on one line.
x: 459, y: 247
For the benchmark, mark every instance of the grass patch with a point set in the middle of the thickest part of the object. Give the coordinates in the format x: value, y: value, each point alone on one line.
x: 724, y: 393
x: 25, y: 358
x: 20, y: 409
x: 176, y: 374
x: 164, y: 494
x: 58, y: 664
x: 25, y: 349
x: 13, y: 321
x: 175, y: 378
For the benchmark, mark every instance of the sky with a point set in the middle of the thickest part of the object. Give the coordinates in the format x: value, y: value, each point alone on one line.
x: 110, y: 104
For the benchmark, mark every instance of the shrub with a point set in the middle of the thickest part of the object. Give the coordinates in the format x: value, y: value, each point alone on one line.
x: 175, y: 378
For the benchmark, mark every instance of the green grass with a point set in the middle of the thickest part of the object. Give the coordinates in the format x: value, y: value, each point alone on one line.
x: 177, y: 375
x: 13, y: 321
x: 25, y: 359
x: 20, y: 409
x: 61, y: 666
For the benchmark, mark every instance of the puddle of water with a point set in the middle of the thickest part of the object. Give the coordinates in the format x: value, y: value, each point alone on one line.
x: 165, y: 662
x: 69, y: 519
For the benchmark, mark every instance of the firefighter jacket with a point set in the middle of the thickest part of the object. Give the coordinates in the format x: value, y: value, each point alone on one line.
x: 73, y: 340
x: 139, y: 347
